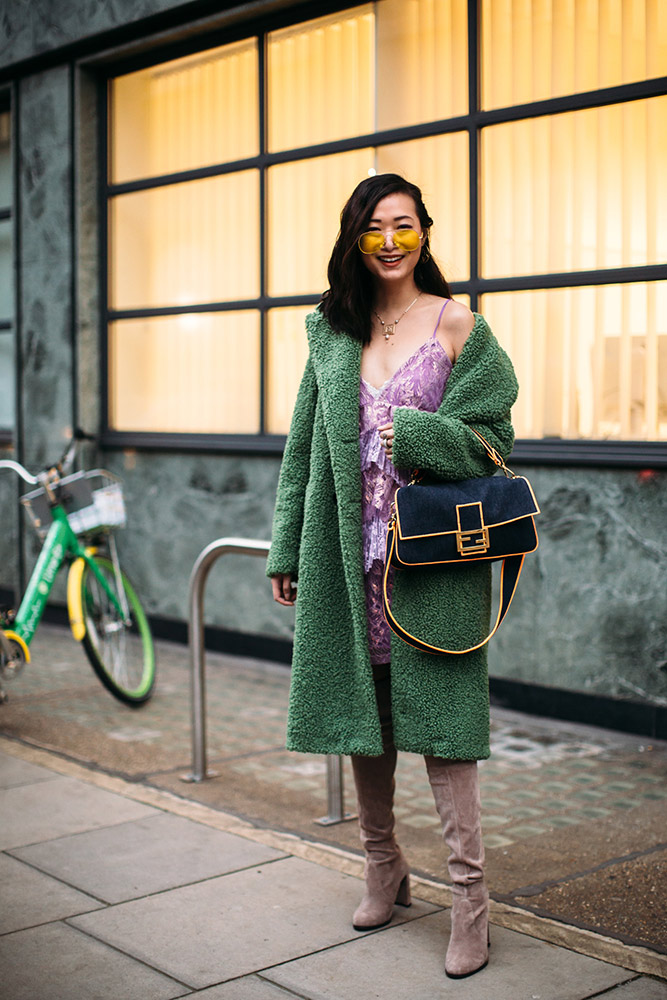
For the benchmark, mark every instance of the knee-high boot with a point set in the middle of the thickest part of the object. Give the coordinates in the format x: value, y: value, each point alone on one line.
x: 455, y: 787
x: 386, y: 870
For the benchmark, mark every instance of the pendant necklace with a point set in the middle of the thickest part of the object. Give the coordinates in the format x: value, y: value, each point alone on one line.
x: 389, y: 328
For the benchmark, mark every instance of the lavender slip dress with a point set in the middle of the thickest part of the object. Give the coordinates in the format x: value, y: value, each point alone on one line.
x: 419, y: 382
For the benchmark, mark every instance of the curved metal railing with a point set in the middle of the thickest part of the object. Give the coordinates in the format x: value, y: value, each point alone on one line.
x: 198, y: 578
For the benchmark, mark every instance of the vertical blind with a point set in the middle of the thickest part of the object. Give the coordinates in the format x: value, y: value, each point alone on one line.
x: 591, y: 361
x: 576, y: 191
x: 536, y: 49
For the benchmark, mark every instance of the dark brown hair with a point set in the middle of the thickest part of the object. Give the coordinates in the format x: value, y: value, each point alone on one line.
x: 347, y: 302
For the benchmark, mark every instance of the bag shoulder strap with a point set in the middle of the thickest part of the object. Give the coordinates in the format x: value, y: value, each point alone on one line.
x: 495, y: 456
x: 509, y: 579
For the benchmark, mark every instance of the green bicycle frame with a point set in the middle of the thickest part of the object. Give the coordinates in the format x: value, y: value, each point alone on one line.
x: 59, y: 543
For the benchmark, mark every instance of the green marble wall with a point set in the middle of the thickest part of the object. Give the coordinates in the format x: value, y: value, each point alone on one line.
x: 8, y: 521
x: 590, y: 608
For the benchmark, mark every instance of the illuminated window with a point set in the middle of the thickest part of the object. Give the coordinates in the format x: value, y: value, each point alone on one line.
x: 577, y: 191
x: 321, y: 80
x: 193, y: 373
x: 185, y: 244
x: 228, y: 170
x: 537, y: 49
x: 591, y: 361
x: 188, y: 113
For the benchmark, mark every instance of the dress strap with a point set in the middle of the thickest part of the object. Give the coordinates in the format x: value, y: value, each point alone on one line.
x: 440, y: 316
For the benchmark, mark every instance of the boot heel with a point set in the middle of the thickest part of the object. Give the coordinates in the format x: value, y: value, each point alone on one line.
x: 403, y: 897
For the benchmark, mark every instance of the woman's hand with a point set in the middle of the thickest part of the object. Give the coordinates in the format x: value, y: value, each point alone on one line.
x: 386, y: 432
x: 284, y: 591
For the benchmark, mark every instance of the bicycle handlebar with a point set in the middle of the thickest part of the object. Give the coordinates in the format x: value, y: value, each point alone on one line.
x: 23, y: 473
x: 61, y: 466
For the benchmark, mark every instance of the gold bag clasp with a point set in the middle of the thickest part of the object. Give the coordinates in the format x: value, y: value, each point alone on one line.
x: 471, y: 541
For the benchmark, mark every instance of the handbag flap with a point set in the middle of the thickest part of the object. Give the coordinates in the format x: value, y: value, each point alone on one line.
x: 440, y: 508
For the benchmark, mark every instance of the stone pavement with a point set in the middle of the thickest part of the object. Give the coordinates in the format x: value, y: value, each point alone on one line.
x: 574, y: 821
x: 114, y: 890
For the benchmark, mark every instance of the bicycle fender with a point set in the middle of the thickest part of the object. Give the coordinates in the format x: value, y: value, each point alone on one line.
x: 74, y: 605
x: 15, y: 637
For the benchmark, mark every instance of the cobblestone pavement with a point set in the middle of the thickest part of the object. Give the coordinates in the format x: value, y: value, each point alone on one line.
x: 574, y: 817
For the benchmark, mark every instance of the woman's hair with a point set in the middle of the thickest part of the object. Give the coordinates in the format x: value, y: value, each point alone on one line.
x: 348, y: 300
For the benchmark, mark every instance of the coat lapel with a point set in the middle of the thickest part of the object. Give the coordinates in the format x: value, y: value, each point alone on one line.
x: 336, y: 360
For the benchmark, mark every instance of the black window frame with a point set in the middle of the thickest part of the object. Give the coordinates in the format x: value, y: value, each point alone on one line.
x: 7, y: 323
x: 540, y: 451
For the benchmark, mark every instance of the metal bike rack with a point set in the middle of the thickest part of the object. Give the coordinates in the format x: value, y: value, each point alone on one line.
x: 198, y: 577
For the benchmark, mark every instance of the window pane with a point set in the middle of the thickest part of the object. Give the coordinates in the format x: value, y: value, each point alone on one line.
x: 576, y: 191
x: 320, y: 80
x: 5, y: 161
x: 6, y: 379
x: 536, y: 50
x: 422, y: 64
x: 185, y: 114
x: 286, y: 354
x: 439, y: 166
x: 304, y: 204
x: 186, y: 243
x: 197, y: 373
x: 591, y: 361
x: 6, y: 271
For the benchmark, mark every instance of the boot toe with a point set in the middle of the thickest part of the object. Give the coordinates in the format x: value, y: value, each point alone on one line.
x: 371, y: 914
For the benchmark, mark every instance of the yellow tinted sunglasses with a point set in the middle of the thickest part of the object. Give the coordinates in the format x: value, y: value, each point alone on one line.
x: 406, y: 240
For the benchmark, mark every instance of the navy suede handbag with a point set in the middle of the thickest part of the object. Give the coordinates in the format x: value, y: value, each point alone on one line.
x: 444, y: 524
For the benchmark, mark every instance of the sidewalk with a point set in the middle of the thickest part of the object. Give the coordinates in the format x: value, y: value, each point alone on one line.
x: 118, y: 880
x: 113, y: 891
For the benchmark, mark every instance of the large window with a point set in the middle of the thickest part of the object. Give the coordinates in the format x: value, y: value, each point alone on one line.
x: 538, y: 134
x: 6, y: 284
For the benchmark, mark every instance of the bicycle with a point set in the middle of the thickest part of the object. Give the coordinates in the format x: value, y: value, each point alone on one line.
x: 75, y: 516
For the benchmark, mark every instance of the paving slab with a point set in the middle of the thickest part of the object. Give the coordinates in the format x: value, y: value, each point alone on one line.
x: 56, y: 962
x: 145, y: 856
x: 638, y: 989
x: 408, y: 961
x: 236, y: 924
x: 14, y: 772
x: 248, y: 988
x: 48, y: 809
x: 30, y: 898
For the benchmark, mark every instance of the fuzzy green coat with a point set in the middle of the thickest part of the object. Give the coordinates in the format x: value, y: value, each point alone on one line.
x: 440, y: 703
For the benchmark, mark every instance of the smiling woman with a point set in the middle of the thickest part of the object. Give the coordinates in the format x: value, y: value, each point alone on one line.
x: 374, y: 403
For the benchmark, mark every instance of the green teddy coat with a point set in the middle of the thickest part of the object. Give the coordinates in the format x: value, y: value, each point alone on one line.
x: 440, y: 703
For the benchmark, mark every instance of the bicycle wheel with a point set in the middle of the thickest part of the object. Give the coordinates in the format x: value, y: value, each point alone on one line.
x: 122, y: 656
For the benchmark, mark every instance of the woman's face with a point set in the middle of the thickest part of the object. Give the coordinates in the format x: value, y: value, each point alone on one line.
x: 391, y: 214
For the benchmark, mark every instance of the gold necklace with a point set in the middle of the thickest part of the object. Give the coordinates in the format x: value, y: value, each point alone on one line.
x: 389, y: 328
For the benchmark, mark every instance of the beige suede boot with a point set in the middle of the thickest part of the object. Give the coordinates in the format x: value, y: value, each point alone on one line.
x: 455, y: 787
x: 386, y: 871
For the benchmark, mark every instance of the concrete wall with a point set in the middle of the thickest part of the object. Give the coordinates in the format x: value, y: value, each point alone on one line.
x: 590, y: 611
x: 40, y: 26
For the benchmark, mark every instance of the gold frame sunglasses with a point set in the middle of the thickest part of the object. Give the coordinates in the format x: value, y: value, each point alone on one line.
x: 407, y: 240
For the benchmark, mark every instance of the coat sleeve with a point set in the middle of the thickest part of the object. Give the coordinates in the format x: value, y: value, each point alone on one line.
x: 294, y: 474
x: 481, y: 390
x: 446, y: 446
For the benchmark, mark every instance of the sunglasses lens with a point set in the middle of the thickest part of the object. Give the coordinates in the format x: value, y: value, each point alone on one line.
x: 406, y: 239
x: 371, y: 242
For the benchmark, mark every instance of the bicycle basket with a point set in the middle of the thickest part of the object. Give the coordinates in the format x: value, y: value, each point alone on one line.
x: 93, y: 501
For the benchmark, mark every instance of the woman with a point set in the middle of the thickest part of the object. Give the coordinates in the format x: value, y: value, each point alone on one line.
x: 397, y: 375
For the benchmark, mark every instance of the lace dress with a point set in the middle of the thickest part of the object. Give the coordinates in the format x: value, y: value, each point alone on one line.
x: 419, y: 382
